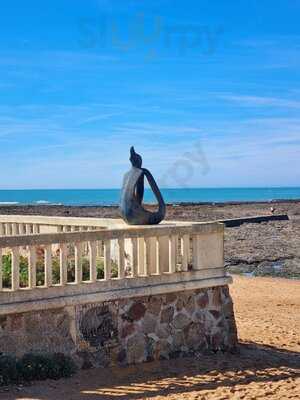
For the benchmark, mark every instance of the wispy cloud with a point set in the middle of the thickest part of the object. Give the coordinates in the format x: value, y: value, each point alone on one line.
x: 260, y: 101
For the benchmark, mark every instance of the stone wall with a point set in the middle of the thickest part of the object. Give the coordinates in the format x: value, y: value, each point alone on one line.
x: 127, y: 331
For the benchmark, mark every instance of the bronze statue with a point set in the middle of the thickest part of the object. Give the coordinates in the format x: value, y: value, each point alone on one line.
x: 132, y: 195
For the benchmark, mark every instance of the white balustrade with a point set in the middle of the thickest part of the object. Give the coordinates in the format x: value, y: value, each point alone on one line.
x: 79, y: 253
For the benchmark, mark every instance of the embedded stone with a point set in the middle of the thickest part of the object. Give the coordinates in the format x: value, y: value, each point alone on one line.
x: 178, y: 339
x: 167, y: 315
x: 217, y: 341
x: 225, y: 292
x: 170, y: 298
x: 136, y: 349
x: 3, y: 322
x: 190, y: 305
x: 149, y: 323
x: 180, y: 321
x: 227, y: 309
x: 127, y: 329
x: 16, y: 322
x: 216, y: 298
x: 203, y: 300
x: 195, y: 336
x: 122, y: 356
x: 164, y: 349
x: 136, y: 311
x: 163, y: 331
x: 179, y: 304
x: 216, y: 314
x: 154, y: 305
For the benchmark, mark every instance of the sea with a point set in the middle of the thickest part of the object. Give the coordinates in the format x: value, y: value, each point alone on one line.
x: 105, y: 197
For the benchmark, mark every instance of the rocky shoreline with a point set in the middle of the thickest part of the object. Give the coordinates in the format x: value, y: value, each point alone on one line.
x: 265, y: 249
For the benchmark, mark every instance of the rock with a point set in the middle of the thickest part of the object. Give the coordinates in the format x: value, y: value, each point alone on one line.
x: 136, y: 311
x: 164, y: 349
x: 136, y: 349
x: 180, y: 321
x: 202, y: 300
x: 122, y: 356
x: 149, y: 323
x: 195, y: 336
x: 179, y: 304
x: 178, y: 340
x: 127, y: 330
x: 3, y: 321
x: 167, y: 315
x: 170, y: 298
x: 190, y: 305
x: 16, y: 322
x: 216, y: 300
x: 163, y: 331
x: 216, y: 314
x: 217, y: 342
x: 154, y: 305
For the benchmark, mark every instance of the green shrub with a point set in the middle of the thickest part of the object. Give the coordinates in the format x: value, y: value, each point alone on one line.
x: 8, y: 370
x: 40, y: 274
x: 35, y: 367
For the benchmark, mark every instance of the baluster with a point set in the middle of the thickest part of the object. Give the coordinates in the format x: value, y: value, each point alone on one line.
x: 36, y: 229
x: 1, y: 274
x: 28, y: 229
x: 63, y: 266
x: 141, y: 256
x: 93, y: 265
x: 48, y: 265
x: 2, y: 229
x: 100, y: 252
x: 32, y: 267
x: 73, y: 228
x: 185, y: 251
x: 15, y: 268
x: 22, y: 229
x: 121, y: 258
x: 195, y: 254
x: 163, y: 254
x: 107, y: 260
x: 134, y: 243
x: 151, y: 255
x: 8, y: 229
x: 60, y: 228
x: 14, y: 230
x: 78, y: 263
x: 173, y: 243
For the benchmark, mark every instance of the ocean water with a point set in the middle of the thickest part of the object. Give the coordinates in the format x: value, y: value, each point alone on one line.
x: 111, y: 196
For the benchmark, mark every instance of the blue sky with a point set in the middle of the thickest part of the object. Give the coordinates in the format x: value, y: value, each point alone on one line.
x: 207, y: 91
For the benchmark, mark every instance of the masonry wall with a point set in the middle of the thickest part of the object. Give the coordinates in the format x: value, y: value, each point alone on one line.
x: 129, y: 331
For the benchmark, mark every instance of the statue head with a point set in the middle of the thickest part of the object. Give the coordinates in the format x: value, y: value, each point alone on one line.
x: 135, y: 159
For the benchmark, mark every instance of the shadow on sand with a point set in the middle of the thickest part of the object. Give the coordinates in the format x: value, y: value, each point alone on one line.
x: 252, y: 363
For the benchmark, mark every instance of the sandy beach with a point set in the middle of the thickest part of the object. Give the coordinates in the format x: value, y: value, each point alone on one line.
x: 267, y: 365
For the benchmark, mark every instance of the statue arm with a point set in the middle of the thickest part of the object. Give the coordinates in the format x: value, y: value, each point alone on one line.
x: 140, y: 189
x: 155, y: 189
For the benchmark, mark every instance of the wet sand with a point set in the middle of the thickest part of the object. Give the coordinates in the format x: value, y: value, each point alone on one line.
x: 267, y: 366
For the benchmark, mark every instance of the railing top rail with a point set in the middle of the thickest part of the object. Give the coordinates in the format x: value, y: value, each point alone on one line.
x: 54, y: 220
x: 110, y: 234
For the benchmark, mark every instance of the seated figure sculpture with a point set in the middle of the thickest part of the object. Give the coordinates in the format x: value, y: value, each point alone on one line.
x: 132, y: 195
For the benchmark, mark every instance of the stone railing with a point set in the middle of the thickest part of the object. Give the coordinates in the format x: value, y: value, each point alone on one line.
x: 110, y: 294
x: 11, y: 225
x: 105, y: 261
